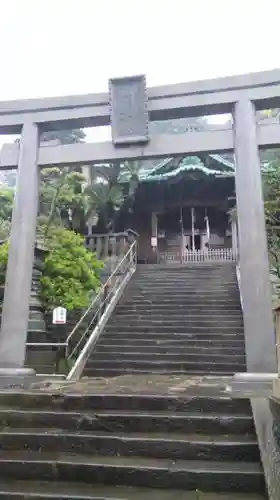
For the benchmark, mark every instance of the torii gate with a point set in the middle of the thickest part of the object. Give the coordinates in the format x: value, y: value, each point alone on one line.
x: 128, y: 107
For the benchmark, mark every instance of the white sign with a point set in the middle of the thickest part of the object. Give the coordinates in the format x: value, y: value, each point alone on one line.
x: 154, y: 241
x: 59, y: 316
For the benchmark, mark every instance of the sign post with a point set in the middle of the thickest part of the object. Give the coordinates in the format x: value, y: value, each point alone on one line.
x: 59, y: 316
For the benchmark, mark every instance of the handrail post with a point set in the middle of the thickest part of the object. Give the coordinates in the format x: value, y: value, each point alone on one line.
x: 276, y: 310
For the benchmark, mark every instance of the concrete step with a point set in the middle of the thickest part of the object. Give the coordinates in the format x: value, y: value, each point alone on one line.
x: 106, y: 373
x: 179, y: 295
x: 180, y: 328
x: 173, y: 302
x: 195, y: 270
x: 126, y: 337
x: 173, y: 315
x: 134, y: 471
x: 180, y: 321
x: 167, y: 357
x: 130, y: 420
x: 233, y: 343
x: 185, y: 278
x: 159, y: 308
x: 208, y: 286
x: 151, y: 445
x: 46, y: 490
x: 169, y: 348
x: 163, y: 365
x: 141, y: 402
x: 182, y: 294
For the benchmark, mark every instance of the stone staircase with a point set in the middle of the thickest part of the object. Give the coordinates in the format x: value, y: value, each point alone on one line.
x: 102, y: 446
x: 158, y: 423
x: 174, y: 319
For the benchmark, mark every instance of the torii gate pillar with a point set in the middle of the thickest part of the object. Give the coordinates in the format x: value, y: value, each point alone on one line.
x: 21, y: 253
x: 254, y: 268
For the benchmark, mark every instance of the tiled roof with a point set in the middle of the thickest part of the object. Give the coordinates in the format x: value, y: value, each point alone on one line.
x: 170, y: 167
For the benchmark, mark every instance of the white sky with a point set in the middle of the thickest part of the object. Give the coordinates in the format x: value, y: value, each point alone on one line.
x: 60, y: 47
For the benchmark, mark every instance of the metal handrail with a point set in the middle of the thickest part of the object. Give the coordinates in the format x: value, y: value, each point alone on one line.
x: 101, y: 291
x: 101, y: 302
x: 104, y: 309
x: 276, y: 314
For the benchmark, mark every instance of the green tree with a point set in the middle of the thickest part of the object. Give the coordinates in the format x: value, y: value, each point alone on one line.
x: 111, y: 191
x: 271, y: 190
x: 62, y: 198
x: 6, y: 202
x: 71, y: 273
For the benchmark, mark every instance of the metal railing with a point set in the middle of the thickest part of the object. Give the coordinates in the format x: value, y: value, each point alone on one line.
x: 276, y: 312
x: 79, y: 344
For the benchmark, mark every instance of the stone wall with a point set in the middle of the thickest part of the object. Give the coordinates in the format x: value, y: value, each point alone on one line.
x: 267, y: 421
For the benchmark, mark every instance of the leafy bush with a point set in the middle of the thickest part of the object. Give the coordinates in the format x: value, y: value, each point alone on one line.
x: 70, y: 271
x: 3, y: 262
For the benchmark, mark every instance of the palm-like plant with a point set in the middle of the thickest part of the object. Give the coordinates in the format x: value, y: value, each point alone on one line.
x: 105, y: 195
x: 103, y: 199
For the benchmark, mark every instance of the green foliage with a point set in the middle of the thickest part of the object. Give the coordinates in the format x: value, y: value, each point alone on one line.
x: 3, y: 261
x: 61, y: 195
x: 271, y: 190
x: 6, y: 202
x: 113, y: 187
x: 5, y: 229
x: 70, y: 271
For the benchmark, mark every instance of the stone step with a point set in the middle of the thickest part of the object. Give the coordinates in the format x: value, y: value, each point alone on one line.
x: 184, y: 357
x: 167, y: 313
x: 185, y: 278
x: 127, y: 337
x: 206, y: 286
x: 195, y: 270
x: 45, y: 490
x: 174, y: 302
x: 134, y: 471
x: 224, y: 278
x: 172, y: 349
x: 150, y: 445
x: 163, y: 365
x: 184, y: 299
x: 159, y: 311
x: 132, y: 421
x: 38, y: 335
x: 180, y: 328
x: 178, y: 321
x: 142, y: 402
x: 106, y: 373
x: 180, y: 295
x: 160, y: 308
x: 179, y: 342
x: 190, y: 274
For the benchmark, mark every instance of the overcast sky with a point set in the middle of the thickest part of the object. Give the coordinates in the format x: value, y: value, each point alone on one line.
x: 57, y: 47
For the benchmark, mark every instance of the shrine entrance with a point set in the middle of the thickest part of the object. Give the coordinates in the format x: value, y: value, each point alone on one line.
x: 129, y: 107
